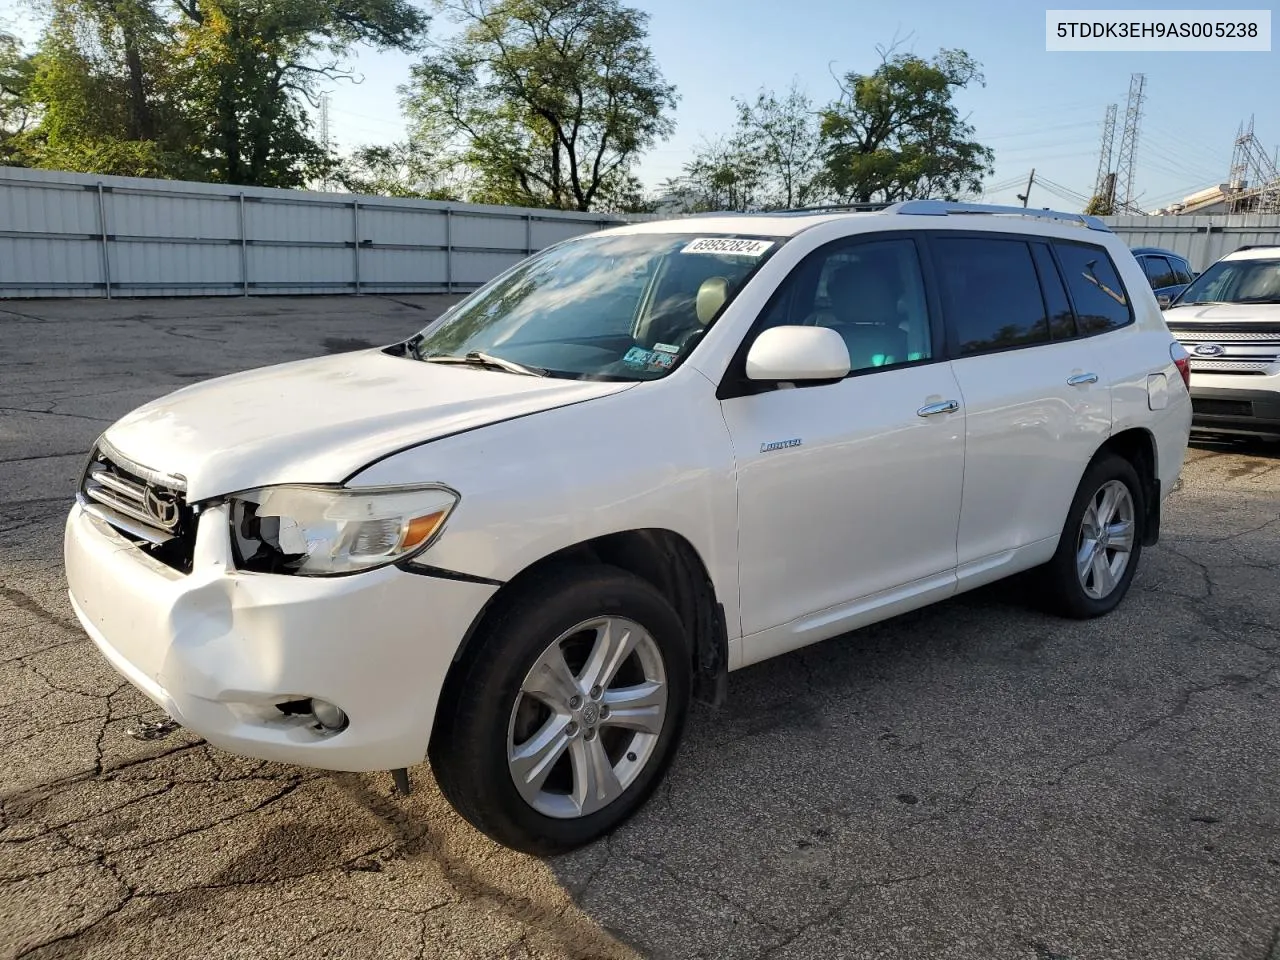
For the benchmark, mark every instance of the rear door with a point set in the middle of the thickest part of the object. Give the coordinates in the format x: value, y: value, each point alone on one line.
x: 1035, y: 393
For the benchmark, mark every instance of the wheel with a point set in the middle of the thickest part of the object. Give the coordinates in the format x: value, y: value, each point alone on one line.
x: 1101, y: 542
x: 566, y: 711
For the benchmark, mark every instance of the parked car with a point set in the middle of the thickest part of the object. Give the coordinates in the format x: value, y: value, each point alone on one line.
x: 1229, y: 321
x: 519, y: 542
x: 1166, y: 271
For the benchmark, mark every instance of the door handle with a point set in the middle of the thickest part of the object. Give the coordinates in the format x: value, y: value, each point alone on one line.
x: 1080, y: 378
x: 933, y: 409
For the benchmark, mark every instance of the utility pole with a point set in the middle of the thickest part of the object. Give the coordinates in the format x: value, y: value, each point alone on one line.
x: 1030, y: 180
x: 1125, y: 165
x: 1105, y: 175
x: 324, y: 134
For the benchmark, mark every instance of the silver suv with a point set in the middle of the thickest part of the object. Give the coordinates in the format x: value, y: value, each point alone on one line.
x: 1228, y: 319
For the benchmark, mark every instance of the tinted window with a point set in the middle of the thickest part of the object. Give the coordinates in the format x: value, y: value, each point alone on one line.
x: 990, y: 293
x: 1096, y: 291
x: 1159, y: 272
x: 1062, y: 322
x: 1181, y: 270
x: 871, y: 293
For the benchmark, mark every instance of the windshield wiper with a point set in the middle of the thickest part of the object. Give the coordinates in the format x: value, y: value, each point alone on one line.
x: 478, y: 359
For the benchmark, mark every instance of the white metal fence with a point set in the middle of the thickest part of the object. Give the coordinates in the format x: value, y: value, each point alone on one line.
x: 81, y: 235
x: 77, y: 235
x: 1202, y: 240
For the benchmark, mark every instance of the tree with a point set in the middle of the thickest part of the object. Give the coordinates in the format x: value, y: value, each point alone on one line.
x: 771, y: 160
x: 401, y: 170
x: 724, y: 174
x: 16, y: 70
x: 196, y: 89
x: 247, y: 65
x: 549, y: 102
x: 896, y: 134
x: 784, y: 138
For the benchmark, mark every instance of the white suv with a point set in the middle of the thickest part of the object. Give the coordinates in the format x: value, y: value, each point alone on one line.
x: 519, y: 542
x: 1229, y: 320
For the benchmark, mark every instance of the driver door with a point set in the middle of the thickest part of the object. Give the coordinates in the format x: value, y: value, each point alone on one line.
x: 849, y: 492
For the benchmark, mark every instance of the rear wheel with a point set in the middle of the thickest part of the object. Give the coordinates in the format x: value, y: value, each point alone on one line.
x: 1101, y: 542
x: 566, y: 712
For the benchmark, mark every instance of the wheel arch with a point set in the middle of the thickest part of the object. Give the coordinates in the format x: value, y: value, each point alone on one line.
x: 663, y: 558
x: 1137, y: 445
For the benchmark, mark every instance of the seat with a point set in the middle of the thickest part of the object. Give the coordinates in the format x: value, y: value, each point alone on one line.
x: 864, y: 311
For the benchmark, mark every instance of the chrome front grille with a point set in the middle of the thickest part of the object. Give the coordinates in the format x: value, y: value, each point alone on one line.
x: 1224, y: 336
x: 1230, y: 366
x: 1239, y: 350
x: 142, y: 503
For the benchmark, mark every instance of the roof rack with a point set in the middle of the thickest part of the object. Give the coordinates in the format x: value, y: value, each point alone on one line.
x: 942, y: 208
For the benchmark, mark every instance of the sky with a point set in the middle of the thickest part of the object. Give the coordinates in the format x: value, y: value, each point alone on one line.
x: 1037, y: 109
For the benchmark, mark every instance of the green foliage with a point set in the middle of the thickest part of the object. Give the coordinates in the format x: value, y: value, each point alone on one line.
x: 896, y: 134
x: 245, y: 67
x: 192, y: 89
x: 16, y: 71
x: 400, y: 170
x: 772, y: 159
x: 548, y: 102
x: 1100, y: 206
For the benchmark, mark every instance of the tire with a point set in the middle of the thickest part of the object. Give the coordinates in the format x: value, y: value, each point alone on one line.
x: 1065, y: 590
x: 490, y: 726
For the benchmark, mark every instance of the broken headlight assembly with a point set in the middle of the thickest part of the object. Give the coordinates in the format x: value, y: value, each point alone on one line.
x: 317, y: 531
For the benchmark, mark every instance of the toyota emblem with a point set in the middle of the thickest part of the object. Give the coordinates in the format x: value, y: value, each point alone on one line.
x: 1209, y: 350
x: 161, y: 506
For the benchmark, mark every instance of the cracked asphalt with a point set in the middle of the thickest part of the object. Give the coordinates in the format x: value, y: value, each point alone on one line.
x: 976, y: 780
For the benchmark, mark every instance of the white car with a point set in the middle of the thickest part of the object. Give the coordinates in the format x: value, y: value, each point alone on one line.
x: 1229, y: 320
x: 518, y: 543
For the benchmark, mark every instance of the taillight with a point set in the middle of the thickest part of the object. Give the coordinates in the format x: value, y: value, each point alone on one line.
x: 1181, y: 360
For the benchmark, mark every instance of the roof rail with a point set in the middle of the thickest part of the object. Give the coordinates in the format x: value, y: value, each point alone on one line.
x: 837, y: 208
x: 942, y: 208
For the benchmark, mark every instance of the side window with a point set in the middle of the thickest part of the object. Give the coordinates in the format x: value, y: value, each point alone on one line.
x: 871, y: 293
x: 990, y: 293
x: 1096, y: 291
x: 1159, y: 272
x: 1181, y: 270
x: 1062, y: 322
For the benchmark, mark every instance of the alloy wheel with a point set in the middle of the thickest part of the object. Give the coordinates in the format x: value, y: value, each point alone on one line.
x: 587, y: 718
x: 1106, y: 539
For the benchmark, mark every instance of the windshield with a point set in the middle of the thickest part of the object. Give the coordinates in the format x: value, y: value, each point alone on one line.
x: 1236, y: 281
x: 620, y: 307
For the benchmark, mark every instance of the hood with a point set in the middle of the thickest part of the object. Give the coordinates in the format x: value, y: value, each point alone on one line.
x: 321, y: 420
x: 1207, y: 313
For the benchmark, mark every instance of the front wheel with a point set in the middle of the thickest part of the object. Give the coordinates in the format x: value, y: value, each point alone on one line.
x: 566, y: 712
x: 1101, y: 542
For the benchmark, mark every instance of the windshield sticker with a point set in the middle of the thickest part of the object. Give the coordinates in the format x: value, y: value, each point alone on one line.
x: 648, y: 359
x: 666, y: 348
x: 728, y: 245
x: 638, y: 357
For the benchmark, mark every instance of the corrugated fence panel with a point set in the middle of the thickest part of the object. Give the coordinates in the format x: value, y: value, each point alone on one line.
x: 1202, y: 240
x: 68, y: 234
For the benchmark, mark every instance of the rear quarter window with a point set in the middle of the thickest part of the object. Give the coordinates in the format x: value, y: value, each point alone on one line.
x: 1099, y: 296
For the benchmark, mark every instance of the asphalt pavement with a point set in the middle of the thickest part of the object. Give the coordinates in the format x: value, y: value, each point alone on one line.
x: 976, y: 780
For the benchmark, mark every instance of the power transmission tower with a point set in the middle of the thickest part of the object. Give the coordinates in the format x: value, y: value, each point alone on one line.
x: 1129, y: 144
x: 1104, y: 185
x: 1254, y: 181
x: 325, y: 143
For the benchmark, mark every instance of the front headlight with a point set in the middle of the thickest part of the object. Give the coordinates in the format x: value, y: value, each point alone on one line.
x: 322, y: 531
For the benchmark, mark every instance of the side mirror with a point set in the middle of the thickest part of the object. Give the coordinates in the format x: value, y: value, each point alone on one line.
x: 1164, y: 300
x: 798, y: 353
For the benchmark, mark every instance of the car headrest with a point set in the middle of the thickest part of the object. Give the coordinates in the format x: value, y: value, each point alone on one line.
x: 711, y: 297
